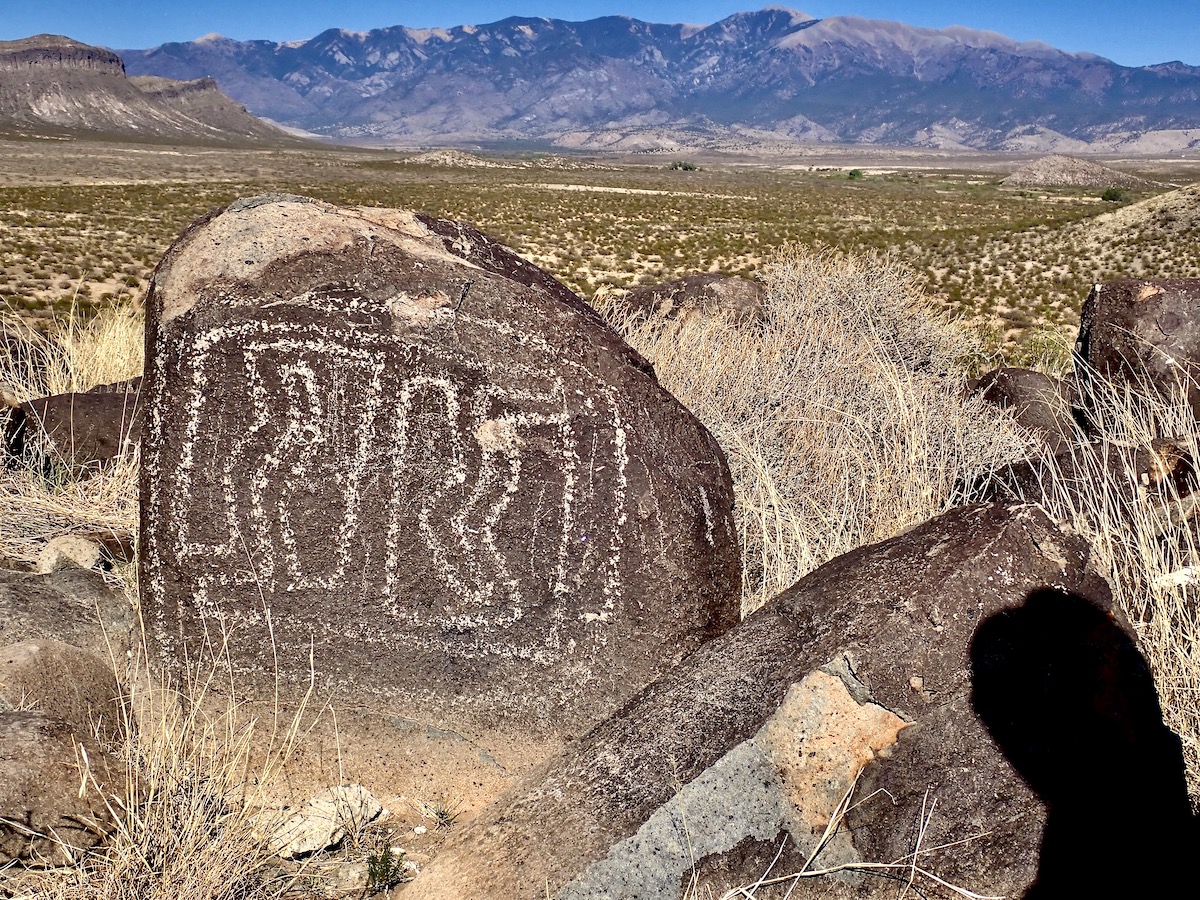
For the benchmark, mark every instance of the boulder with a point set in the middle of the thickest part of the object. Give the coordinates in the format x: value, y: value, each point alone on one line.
x: 49, y: 808
x: 70, y: 684
x: 71, y: 605
x: 742, y: 299
x: 1144, y: 333
x: 1036, y: 402
x: 79, y: 429
x: 385, y: 453
x: 727, y: 771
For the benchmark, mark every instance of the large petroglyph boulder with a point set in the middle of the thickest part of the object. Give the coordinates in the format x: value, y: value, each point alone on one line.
x: 387, y: 444
x: 1145, y: 333
x: 729, y: 768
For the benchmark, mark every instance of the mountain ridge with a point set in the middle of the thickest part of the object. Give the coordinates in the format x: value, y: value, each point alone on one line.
x: 776, y: 72
x: 51, y: 84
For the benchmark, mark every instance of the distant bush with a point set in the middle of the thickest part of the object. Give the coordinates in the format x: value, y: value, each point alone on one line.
x: 683, y: 166
x: 854, y: 174
x: 1115, y: 195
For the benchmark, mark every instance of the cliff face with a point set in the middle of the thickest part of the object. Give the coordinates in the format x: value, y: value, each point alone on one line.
x: 51, y: 52
x: 52, y: 84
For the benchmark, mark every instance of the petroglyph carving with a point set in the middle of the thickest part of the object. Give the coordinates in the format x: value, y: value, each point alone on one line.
x: 490, y: 493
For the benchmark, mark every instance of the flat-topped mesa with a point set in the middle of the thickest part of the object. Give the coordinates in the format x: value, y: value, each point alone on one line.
x: 382, y: 449
x: 53, y: 51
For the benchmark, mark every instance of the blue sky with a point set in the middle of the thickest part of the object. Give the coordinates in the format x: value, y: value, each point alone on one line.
x: 1129, y: 33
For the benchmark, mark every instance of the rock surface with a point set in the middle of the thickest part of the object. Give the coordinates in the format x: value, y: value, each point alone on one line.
x: 96, y: 426
x: 1037, y: 402
x: 1144, y: 333
x: 325, y: 820
x: 742, y: 754
x: 71, y: 605
x: 45, y: 802
x: 70, y: 684
x: 435, y: 470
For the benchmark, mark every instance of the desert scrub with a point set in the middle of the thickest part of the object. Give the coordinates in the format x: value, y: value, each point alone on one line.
x: 843, y: 414
x: 195, y: 773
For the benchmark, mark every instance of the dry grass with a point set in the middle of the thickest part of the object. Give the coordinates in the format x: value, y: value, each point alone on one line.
x: 843, y: 415
x: 185, y: 815
x: 75, y: 355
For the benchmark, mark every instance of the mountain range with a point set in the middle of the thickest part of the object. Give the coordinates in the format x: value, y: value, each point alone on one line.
x: 754, y: 77
x: 52, y: 85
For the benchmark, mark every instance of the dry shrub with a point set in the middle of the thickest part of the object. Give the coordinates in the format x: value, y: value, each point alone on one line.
x: 74, y: 354
x: 843, y: 414
x: 185, y: 815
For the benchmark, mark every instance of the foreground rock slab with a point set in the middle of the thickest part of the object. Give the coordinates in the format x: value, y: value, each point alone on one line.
x: 863, y: 686
x: 383, y: 450
x: 49, y: 807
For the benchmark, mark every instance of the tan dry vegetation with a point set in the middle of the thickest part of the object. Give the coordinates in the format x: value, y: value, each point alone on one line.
x: 843, y: 415
x: 75, y: 355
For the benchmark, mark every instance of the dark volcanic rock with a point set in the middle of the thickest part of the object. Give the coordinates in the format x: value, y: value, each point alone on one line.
x: 40, y: 786
x: 71, y: 605
x: 740, y: 298
x: 62, y: 681
x: 1144, y: 333
x: 747, y: 748
x: 434, y: 469
x: 78, y: 429
x: 1037, y: 402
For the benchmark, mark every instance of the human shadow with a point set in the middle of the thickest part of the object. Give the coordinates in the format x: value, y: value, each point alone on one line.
x: 1070, y: 700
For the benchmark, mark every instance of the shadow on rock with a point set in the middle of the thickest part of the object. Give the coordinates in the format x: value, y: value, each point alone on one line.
x: 1070, y: 700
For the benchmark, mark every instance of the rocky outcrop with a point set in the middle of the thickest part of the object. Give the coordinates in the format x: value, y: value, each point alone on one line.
x: 54, y: 52
x: 458, y: 499
x: 1067, y: 171
x: 52, y: 786
x: 76, y: 430
x: 889, y: 661
x: 1037, y: 402
x: 1143, y: 334
x: 51, y: 83
x: 70, y: 605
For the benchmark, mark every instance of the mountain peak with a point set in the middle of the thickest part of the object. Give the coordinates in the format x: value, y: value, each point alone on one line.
x: 777, y: 72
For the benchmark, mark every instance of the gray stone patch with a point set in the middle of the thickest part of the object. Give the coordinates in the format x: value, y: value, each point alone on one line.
x: 739, y: 796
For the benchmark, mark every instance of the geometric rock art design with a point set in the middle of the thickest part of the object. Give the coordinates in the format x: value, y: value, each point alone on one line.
x: 385, y: 443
